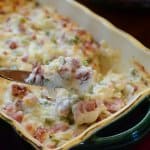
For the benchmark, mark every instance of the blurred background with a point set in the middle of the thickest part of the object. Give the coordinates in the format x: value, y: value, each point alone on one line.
x: 133, y: 16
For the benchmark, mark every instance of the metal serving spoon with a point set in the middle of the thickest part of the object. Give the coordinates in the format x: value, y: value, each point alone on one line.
x: 21, y: 76
x: 15, y: 75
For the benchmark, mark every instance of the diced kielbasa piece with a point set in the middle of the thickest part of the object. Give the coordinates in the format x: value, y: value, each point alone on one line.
x: 114, y: 106
x: 30, y: 127
x: 18, y: 116
x: 19, y: 90
x: 40, y: 134
x: 58, y: 127
x: 83, y: 74
x: 13, y: 45
x: 85, y: 112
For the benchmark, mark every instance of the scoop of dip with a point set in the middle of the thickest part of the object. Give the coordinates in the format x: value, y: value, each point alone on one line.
x: 63, y: 72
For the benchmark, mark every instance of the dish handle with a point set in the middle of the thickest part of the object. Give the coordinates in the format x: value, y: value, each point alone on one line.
x: 126, y: 137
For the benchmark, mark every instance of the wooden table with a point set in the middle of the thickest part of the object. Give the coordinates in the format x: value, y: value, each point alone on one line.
x: 137, y: 23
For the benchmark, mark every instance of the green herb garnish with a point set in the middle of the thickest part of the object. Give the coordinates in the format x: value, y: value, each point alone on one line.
x: 74, y: 40
x: 49, y: 121
x: 47, y: 33
x: 85, y: 62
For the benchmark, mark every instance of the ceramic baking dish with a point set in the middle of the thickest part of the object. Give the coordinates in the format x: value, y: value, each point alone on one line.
x: 130, y: 49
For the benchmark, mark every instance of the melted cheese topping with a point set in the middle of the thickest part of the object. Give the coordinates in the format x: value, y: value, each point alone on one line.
x: 83, y: 88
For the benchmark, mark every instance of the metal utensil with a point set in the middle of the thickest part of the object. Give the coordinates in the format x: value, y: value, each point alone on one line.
x: 21, y: 76
x: 14, y: 75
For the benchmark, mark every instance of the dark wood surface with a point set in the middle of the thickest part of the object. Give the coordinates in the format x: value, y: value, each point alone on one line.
x: 134, y: 21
